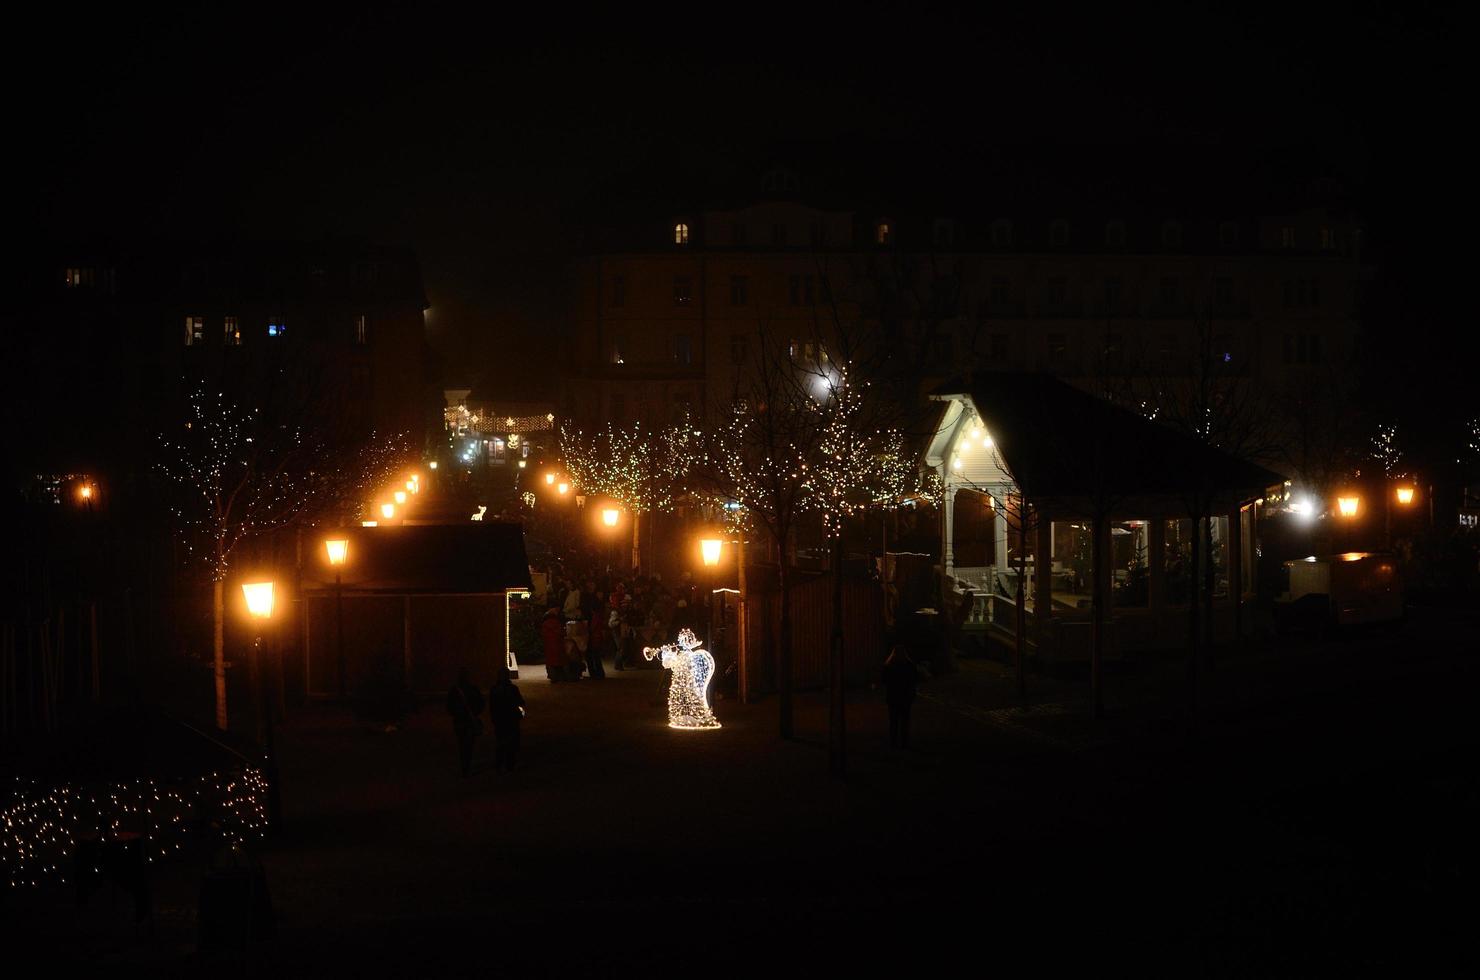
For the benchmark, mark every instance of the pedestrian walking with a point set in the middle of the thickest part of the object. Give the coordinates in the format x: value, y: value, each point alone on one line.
x: 900, y: 676
x: 552, y: 636
x: 465, y: 705
x: 505, y: 710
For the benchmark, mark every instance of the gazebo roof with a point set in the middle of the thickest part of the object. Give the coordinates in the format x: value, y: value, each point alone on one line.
x: 1063, y: 444
x: 470, y: 557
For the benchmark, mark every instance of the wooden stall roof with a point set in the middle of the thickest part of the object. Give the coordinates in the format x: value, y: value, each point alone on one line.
x: 468, y: 558
x: 1065, y: 445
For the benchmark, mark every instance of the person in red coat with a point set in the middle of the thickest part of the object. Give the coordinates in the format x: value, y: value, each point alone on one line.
x: 552, y: 633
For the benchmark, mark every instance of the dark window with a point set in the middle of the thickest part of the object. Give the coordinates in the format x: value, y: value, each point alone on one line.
x: 619, y: 349
x: 1114, y: 348
x: 1001, y: 233
x: 739, y: 348
x: 1115, y: 234
x: 1228, y: 234
x: 619, y: 290
x: 800, y: 290
x: 807, y: 291
x: 1223, y: 292
x: 1287, y: 236
x: 997, y: 347
x: 945, y: 233
x: 1058, y: 346
x: 362, y: 328
x: 618, y: 408
x: 814, y: 233
x: 1171, y: 236
x: 999, y: 292
x: 1114, y: 290
x: 1058, y: 289
x: 739, y: 290
x: 737, y: 233
x: 826, y: 285
x: 778, y: 235
x: 683, y: 290
x: 683, y: 351
x: 1058, y: 234
x: 1169, y: 291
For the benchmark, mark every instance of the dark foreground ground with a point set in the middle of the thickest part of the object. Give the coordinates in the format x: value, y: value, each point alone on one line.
x: 1320, y: 820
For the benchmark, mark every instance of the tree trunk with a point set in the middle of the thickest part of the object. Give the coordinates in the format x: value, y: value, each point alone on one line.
x: 837, y: 751
x: 783, y: 651
x: 1098, y: 599
x: 636, y: 541
x: 218, y: 612
x: 1194, y: 607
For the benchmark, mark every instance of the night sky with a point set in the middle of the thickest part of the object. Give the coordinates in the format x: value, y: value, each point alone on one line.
x: 472, y: 138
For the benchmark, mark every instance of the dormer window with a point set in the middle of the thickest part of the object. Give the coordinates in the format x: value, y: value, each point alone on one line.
x: 882, y: 233
x: 195, y: 330
x: 1002, y: 233
x: 680, y: 234
x: 1058, y: 234
x: 945, y: 233
x: 1228, y: 234
x: 1115, y: 234
x: 1171, y: 235
x: 232, y: 332
x: 277, y: 327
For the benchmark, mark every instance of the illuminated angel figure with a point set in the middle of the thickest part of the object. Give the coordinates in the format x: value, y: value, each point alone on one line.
x: 688, y: 694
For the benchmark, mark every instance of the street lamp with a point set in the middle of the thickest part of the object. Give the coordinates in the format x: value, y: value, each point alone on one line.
x: 609, y: 516
x: 709, y: 550
x: 400, y: 496
x: 1347, y: 506
x: 432, y: 465
x: 1405, y: 495
x: 387, y: 511
x: 410, y: 486
x: 563, y: 487
x: 338, y: 551
x: 549, y: 478
x: 259, y: 606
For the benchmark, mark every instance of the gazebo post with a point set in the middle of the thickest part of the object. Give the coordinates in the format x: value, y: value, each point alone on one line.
x: 1100, y: 595
x: 1236, y: 571
x: 1043, y: 583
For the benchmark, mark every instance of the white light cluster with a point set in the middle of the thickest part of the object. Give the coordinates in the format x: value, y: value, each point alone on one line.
x: 693, y: 670
x: 40, y: 828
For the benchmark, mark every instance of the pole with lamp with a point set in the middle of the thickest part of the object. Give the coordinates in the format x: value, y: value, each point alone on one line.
x: 259, y: 606
x: 1346, y: 507
x: 709, y: 550
x: 609, y: 518
x: 338, y: 551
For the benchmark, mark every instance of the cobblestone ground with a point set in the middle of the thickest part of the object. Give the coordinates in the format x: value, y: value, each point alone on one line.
x: 1316, y: 820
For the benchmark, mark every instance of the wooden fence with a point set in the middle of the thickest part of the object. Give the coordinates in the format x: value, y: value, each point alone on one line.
x: 865, y: 641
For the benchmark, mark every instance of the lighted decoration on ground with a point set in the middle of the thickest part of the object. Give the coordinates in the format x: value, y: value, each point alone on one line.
x: 688, y: 694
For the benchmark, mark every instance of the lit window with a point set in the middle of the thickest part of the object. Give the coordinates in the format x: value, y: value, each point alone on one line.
x: 73, y: 278
x: 680, y: 234
x: 881, y: 233
x: 362, y: 328
x: 232, y: 332
x: 277, y: 327
x: 195, y: 330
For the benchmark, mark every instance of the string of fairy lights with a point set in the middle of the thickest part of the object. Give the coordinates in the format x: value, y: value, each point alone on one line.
x: 42, y: 826
x: 461, y: 418
x: 688, y: 692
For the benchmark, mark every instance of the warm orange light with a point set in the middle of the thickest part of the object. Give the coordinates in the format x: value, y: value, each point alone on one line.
x: 259, y: 598
x: 387, y: 511
x: 710, y: 548
x: 369, y: 524
x: 338, y: 549
x: 86, y: 493
x: 1347, y: 506
x: 400, y: 496
x: 563, y: 487
x: 432, y: 464
x: 410, y: 486
x: 609, y: 516
x: 523, y: 463
x: 549, y: 478
x: 1405, y: 495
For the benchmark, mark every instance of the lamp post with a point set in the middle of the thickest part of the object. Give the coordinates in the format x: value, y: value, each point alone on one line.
x: 338, y: 551
x: 259, y: 606
x: 609, y: 518
x: 709, y: 550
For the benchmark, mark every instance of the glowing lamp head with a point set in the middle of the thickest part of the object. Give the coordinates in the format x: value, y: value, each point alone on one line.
x: 410, y: 486
x: 432, y: 465
x: 400, y: 496
x: 1405, y: 495
x: 523, y: 463
x: 710, y: 548
x: 1347, y: 506
x: 338, y: 550
x: 86, y: 492
x: 387, y: 511
x: 549, y: 478
x: 609, y: 516
x: 259, y: 598
x: 563, y: 487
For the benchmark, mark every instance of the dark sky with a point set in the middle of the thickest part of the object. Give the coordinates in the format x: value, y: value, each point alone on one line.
x: 468, y: 136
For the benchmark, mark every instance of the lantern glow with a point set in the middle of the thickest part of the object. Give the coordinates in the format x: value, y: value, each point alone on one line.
x: 609, y: 516
x: 337, y: 549
x: 1405, y: 495
x: 549, y: 478
x: 400, y: 496
x: 387, y: 511
x: 710, y: 549
x: 563, y: 487
x: 259, y: 598
x: 1347, y: 506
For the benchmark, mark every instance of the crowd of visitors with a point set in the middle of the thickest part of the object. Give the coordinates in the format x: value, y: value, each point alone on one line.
x: 594, y: 618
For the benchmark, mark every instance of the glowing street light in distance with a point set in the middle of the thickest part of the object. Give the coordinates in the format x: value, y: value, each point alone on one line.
x: 259, y: 598
x: 337, y: 549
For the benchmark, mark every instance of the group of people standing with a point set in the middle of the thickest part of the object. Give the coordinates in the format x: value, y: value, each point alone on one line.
x: 608, y: 617
x: 505, y: 711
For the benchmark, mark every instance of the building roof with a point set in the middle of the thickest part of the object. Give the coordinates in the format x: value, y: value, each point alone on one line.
x: 470, y: 558
x: 1062, y: 444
